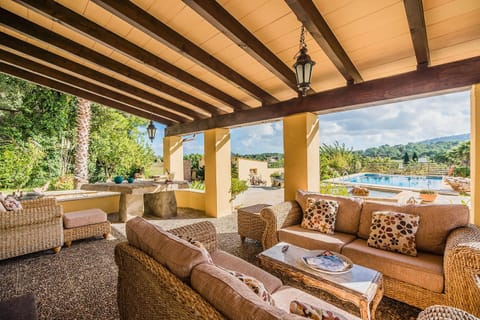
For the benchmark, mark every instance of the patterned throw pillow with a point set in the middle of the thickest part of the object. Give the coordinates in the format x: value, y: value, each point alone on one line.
x: 320, y: 215
x: 394, y: 231
x: 11, y: 204
x: 198, y: 244
x: 311, y: 312
x: 253, y: 284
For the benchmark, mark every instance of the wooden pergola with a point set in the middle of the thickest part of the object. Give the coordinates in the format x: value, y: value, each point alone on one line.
x: 200, y: 65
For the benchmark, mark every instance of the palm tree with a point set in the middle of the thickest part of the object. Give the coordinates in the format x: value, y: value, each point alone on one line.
x: 83, y: 133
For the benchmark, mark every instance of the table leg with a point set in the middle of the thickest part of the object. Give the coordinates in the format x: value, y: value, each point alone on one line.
x: 365, y: 310
x: 122, y: 210
x: 376, y: 300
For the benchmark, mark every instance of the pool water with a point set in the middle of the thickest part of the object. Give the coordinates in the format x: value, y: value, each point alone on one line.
x: 415, y: 182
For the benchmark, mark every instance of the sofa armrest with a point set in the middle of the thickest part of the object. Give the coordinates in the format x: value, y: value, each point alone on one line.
x: 279, y: 216
x: 204, y: 232
x: 462, y: 269
x: 148, y: 290
x: 41, y: 202
x: 31, y: 216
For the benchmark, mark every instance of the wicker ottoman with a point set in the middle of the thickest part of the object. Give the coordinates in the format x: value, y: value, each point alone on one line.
x: 249, y: 222
x: 85, y: 224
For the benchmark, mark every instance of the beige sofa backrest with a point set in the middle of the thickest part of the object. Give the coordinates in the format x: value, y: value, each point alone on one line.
x: 178, y: 255
x: 436, y: 222
x: 348, y: 216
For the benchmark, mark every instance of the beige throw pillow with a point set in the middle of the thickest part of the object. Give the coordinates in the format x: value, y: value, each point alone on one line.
x: 394, y: 231
x: 320, y: 215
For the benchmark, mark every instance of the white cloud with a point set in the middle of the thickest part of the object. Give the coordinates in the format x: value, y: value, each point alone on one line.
x: 396, y: 123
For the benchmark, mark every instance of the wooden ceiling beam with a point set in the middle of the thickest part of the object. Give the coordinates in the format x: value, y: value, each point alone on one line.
x: 418, y: 31
x: 67, y: 79
x: 56, y: 85
x: 14, y: 22
x: 175, y: 41
x: 221, y: 19
x: 41, y: 54
x: 69, y: 18
x: 441, y: 78
x: 308, y: 14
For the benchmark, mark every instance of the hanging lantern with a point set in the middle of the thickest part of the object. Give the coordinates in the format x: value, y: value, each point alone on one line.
x: 303, y: 66
x: 151, y: 131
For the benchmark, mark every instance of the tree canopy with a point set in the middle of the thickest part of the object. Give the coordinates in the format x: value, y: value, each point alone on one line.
x: 37, y: 137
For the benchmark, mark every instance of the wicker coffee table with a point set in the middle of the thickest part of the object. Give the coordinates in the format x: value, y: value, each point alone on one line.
x: 361, y: 286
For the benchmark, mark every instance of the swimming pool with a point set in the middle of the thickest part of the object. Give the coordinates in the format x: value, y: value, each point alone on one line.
x: 399, y: 181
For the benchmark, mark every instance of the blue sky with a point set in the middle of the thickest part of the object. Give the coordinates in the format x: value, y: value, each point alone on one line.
x: 396, y: 123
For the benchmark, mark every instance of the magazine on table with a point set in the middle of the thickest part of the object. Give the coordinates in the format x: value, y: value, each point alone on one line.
x: 327, y: 261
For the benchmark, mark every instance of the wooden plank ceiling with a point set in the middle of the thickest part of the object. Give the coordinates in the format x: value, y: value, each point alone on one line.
x: 200, y: 64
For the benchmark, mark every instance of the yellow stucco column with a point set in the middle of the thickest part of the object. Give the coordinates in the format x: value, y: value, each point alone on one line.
x: 474, y: 156
x: 302, y: 159
x: 173, y: 156
x: 217, y: 172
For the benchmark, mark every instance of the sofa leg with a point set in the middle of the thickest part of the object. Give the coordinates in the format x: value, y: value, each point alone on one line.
x: 242, y: 238
x: 68, y: 244
x: 57, y: 249
x: 105, y: 235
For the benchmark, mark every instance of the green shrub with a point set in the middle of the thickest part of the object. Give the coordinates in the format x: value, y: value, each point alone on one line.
x: 65, y: 182
x: 238, y: 186
x: 334, y: 189
x: 197, y: 185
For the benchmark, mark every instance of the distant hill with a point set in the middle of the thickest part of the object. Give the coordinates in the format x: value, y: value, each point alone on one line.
x: 456, y: 138
x: 433, y: 149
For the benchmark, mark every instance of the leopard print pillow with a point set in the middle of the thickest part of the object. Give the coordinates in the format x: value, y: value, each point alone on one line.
x: 320, y: 215
x: 253, y: 284
x: 394, y: 231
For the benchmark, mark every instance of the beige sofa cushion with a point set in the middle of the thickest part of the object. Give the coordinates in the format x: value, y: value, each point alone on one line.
x: 84, y: 218
x: 284, y: 295
x: 230, y: 262
x: 367, y: 210
x: 348, y: 214
x: 425, y: 270
x: 310, y: 239
x: 436, y: 223
x: 178, y: 255
x: 231, y: 297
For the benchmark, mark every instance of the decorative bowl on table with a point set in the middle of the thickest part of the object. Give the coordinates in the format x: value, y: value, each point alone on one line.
x: 118, y: 179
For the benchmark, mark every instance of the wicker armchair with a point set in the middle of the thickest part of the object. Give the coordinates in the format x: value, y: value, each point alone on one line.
x: 461, y: 263
x: 445, y: 313
x: 38, y: 226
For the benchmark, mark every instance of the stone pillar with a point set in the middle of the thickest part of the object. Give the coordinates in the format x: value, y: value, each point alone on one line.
x: 173, y: 156
x: 474, y: 154
x: 218, y: 177
x: 301, y: 143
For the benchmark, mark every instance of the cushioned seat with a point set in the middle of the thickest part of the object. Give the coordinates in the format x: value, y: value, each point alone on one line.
x: 311, y: 239
x: 85, y: 224
x: 84, y: 217
x: 228, y: 261
x: 424, y: 270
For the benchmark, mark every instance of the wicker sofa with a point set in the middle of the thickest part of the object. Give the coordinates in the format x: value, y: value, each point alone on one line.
x: 38, y: 226
x: 160, y: 277
x: 445, y: 271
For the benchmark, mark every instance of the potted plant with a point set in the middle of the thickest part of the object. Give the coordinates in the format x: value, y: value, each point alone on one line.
x: 428, y: 195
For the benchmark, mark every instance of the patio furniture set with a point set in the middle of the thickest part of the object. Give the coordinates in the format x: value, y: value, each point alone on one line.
x: 188, y: 277
x: 444, y: 271
x: 42, y: 225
